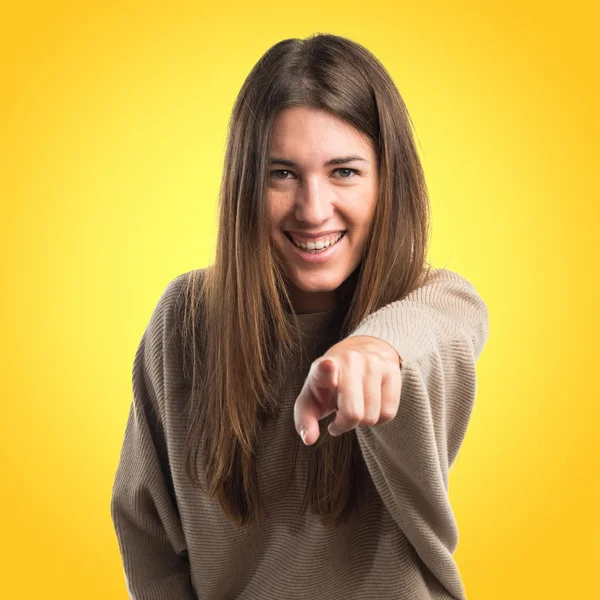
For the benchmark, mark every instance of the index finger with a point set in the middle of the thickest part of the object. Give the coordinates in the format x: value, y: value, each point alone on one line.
x: 310, y: 404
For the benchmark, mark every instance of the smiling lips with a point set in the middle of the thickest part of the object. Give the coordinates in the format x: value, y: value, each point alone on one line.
x: 315, y: 243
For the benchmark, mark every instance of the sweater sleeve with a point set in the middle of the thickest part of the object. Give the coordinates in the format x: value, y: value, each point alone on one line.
x: 439, y: 330
x: 143, y: 506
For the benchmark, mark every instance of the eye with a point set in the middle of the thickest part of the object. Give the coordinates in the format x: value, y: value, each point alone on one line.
x: 341, y: 169
x: 278, y: 171
x: 345, y: 173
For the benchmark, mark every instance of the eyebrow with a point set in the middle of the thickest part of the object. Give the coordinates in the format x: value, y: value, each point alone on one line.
x: 334, y: 161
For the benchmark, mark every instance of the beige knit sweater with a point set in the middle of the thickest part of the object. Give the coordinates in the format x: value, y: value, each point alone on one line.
x: 176, y: 544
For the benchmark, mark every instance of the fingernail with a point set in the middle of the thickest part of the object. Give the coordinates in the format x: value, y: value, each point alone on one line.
x: 332, y: 431
x: 303, y: 432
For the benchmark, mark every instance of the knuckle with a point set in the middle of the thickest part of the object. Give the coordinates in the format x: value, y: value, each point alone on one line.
x: 386, y: 416
x: 372, y: 365
x: 351, y: 355
x: 353, y: 416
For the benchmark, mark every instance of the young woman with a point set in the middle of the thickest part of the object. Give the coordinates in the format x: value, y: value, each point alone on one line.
x: 321, y: 322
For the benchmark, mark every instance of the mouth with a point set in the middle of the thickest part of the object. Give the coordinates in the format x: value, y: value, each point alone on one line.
x: 317, y: 256
x: 316, y: 250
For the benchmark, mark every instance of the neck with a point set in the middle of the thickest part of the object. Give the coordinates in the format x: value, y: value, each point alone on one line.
x: 308, y: 303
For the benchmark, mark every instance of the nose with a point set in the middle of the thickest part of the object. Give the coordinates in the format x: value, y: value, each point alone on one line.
x: 312, y: 204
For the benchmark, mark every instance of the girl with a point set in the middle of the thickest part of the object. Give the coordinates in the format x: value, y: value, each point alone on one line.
x: 298, y: 404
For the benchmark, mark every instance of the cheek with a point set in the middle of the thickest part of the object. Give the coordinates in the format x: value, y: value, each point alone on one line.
x: 359, y: 221
x: 367, y: 215
x: 277, y: 209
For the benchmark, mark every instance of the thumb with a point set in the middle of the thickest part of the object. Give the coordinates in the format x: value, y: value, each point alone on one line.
x: 314, y: 402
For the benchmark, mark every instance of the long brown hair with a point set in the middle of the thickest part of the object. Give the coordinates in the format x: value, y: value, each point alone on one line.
x: 241, y: 303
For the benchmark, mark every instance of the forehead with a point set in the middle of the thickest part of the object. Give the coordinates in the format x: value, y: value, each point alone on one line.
x: 301, y: 130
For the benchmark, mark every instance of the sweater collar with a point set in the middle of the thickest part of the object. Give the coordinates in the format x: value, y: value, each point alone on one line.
x: 315, y: 323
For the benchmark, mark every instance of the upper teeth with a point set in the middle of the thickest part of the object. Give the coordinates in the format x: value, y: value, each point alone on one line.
x: 319, y: 244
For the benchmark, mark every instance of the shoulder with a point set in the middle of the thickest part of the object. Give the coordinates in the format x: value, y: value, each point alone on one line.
x: 160, y: 349
x: 168, y: 309
x: 175, y: 292
x: 441, y: 286
x: 442, y: 277
x: 450, y: 293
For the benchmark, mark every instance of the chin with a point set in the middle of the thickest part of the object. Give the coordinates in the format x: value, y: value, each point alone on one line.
x: 323, y: 283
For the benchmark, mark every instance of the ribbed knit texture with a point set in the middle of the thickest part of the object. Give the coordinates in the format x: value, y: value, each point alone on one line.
x: 177, y: 544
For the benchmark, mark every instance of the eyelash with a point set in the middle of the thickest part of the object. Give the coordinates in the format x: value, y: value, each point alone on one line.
x: 338, y: 169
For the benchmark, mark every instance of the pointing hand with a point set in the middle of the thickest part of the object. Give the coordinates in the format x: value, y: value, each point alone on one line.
x: 360, y: 378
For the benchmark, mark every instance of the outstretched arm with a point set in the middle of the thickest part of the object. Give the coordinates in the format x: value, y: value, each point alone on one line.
x: 406, y: 379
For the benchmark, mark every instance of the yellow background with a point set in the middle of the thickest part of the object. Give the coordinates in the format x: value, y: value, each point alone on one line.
x: 112, y: 128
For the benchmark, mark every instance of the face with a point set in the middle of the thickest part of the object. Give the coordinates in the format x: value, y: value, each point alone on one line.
x: 323, y: 184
